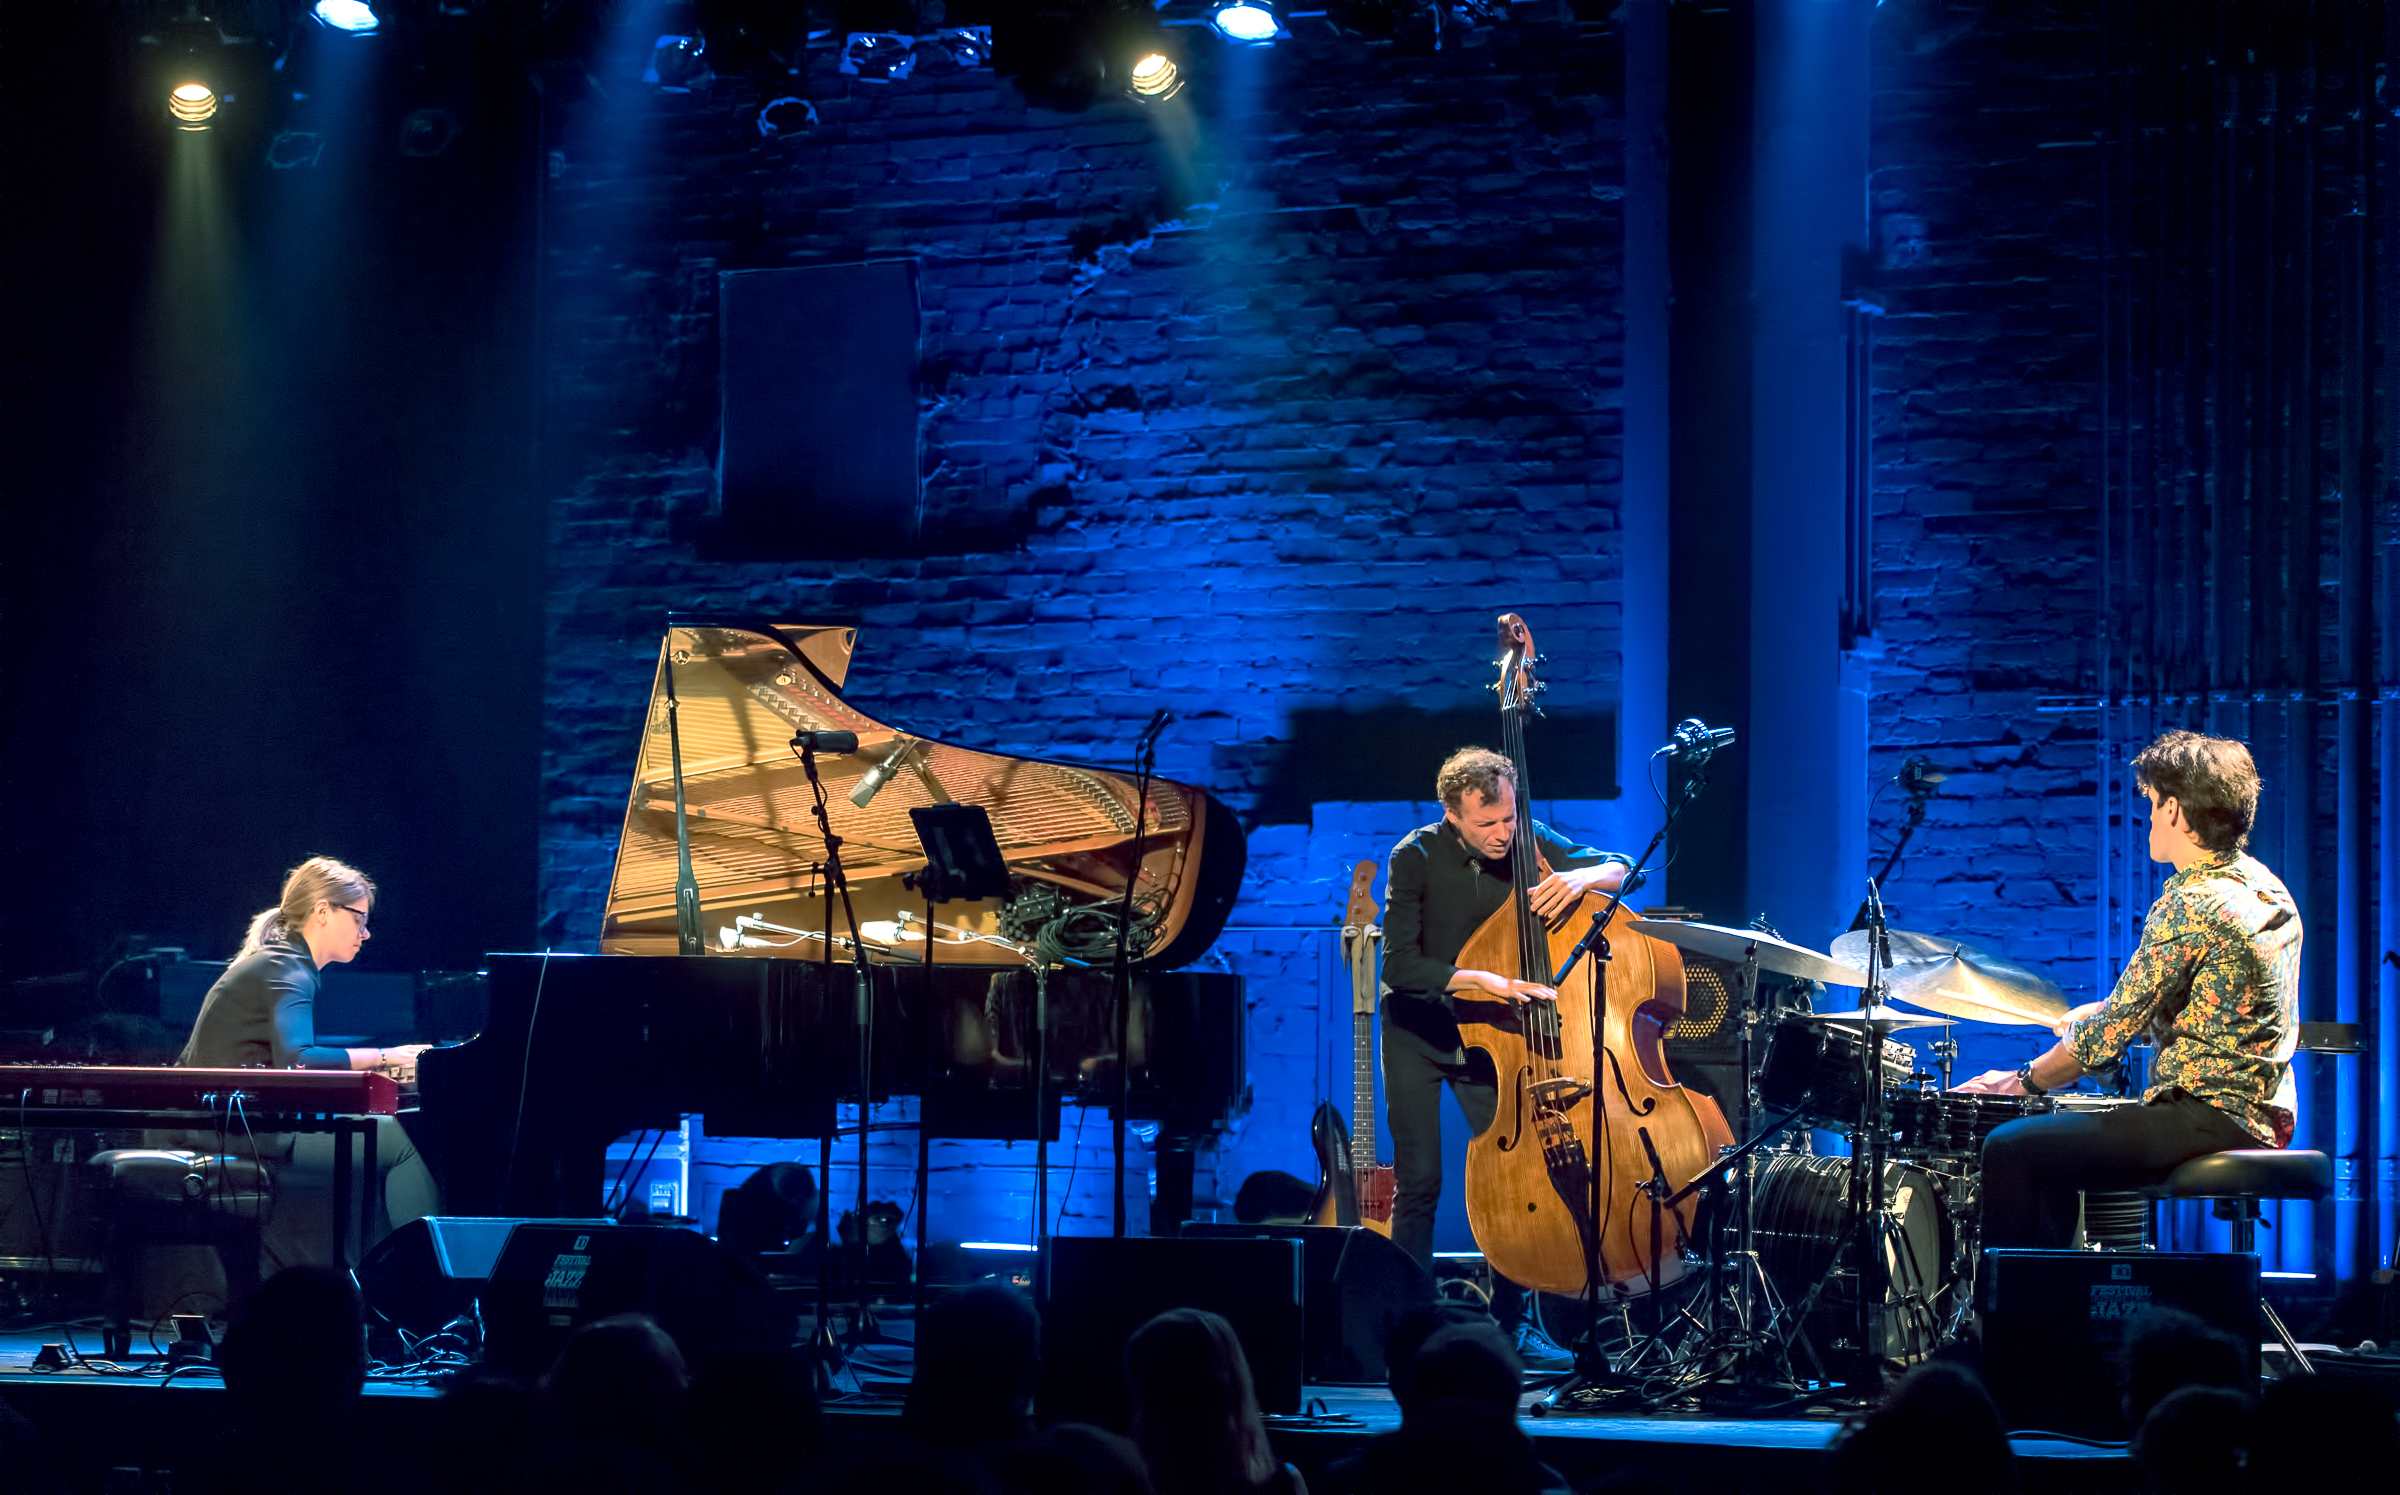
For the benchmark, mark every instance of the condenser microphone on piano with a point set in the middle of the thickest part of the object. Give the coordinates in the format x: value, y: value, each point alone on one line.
x: 825, y: 742
x: 881, y: 774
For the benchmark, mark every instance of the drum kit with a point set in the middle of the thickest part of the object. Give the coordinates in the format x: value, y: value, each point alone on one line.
x: 1829, y: 1281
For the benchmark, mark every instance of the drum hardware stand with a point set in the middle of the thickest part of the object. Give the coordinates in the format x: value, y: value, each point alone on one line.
x: 1594, y: 1381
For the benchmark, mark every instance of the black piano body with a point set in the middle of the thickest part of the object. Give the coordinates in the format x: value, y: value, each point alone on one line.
x: 579, y: 1050
x: 721, y: 845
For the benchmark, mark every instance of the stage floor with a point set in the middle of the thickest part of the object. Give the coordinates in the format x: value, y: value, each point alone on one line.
x: 109, y: 1421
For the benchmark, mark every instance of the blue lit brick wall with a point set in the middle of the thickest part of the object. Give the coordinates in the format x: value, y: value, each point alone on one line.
x: 1272, y: 412
x: 1262, y: 407
x: 1985, y: 201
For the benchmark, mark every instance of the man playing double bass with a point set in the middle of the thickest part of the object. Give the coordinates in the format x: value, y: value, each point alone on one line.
x: 1445, y: 880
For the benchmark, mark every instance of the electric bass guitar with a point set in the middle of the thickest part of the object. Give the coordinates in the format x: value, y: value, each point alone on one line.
x: 1352, y: 1188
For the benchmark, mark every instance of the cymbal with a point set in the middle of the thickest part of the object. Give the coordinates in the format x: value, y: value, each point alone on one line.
x: 1941, y: 974
x: 1780, y: 956
x: 1884, y: 1017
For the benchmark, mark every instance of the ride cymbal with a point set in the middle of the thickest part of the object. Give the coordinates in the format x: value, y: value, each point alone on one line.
x: 1951, y: 976
x: 1737, y: 945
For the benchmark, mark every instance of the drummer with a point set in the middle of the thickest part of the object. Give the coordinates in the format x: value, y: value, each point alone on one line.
x: 2216, y: 986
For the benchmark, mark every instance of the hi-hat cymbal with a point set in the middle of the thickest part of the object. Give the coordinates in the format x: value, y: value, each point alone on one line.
x: 1941, y: 974
x: 1738, y: 945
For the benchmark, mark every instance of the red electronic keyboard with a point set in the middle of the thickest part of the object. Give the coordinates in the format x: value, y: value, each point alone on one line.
x: 228, y: 1102
x: 167, y: 1095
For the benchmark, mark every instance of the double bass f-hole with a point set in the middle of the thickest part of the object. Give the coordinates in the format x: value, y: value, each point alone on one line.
x: 1648, y: 1104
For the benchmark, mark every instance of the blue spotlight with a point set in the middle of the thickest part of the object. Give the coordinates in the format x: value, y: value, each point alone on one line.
x: 1250, y: 22
x: 354, y: 16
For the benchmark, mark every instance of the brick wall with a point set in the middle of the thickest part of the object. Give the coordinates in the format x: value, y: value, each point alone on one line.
x: 1985, y: 197
x: 1262, y: 403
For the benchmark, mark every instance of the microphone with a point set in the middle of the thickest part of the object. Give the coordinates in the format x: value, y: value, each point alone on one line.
x: 825, y: 742
x: 1697, y: 742
x: 881, y: 774
x: 1158, y: 724
x: 1919, y: 774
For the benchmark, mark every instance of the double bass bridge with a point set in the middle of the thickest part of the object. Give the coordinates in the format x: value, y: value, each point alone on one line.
x: 1563, y: 1155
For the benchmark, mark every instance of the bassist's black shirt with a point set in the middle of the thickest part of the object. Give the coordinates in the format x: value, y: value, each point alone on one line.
x: 1438, y: 894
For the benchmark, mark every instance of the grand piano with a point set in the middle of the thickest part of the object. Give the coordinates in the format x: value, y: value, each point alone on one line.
x: 760, y: 1032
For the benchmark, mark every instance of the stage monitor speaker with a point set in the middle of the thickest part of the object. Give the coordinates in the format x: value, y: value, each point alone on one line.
x: 2054, y: 1326
x: 1354, y: 1285
x: 427, y: 1272
x: 1104, y: 1288
x: 552, y: 1278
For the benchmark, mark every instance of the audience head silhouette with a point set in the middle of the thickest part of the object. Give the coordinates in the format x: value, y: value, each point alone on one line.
x: 295, y: 1353
x: 2192, y: 1441
x: 979, y: 1358
x: 1195, y: 1411
x: 1410, y: 1331
x: 617, y: 1380
x: 1471, y: 1363
x: 2167, y: 1348
x: 1938, y: 1416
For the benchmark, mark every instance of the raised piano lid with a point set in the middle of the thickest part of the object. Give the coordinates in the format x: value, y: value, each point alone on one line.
x: 746, y: 687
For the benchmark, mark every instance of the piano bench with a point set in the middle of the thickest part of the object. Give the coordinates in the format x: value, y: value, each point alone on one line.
x: 156, y: 1197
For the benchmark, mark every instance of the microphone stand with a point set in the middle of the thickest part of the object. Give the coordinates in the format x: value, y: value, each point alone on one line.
x: 1145, y: 759
x: 1582, y: 1390
x: 837, y: 881
x: 1920, y: 792
x: 1867, y: 1163
x: 687, y: 888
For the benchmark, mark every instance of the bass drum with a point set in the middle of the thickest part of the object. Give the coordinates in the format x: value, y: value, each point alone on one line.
x: 1805, y: 1246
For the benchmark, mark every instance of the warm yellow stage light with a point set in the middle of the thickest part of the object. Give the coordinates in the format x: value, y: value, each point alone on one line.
x: 192, y: 104
x: 1155, y: 77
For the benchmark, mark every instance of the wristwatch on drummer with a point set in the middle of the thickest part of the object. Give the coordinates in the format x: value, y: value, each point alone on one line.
x: 2025, y: 1078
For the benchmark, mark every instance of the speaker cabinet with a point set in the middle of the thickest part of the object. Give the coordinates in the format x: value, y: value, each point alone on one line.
x: 1103, y: 1288
x: 2054, y: 1325
x: 1354, y: 1284
x: 552, y: 1278
x: 430, y: 1270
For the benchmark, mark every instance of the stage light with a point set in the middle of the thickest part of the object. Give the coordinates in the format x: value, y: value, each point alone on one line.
x: 354, y: 16
x: 1155, y: 77
x: 951, y: 49
x: 878, y: 56
x: 193, y: 105
x: 779, y: 119
x: 1250, y: 22
x: 678, y: 64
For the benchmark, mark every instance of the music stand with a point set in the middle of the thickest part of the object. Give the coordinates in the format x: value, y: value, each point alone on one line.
x: 963, y: 864
x: 962, y: 856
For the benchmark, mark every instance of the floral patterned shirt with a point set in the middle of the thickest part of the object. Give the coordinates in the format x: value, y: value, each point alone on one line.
x: 2216, y: 985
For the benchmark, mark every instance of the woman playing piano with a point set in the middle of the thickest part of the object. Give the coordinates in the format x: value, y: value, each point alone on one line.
x: 262, y: 1014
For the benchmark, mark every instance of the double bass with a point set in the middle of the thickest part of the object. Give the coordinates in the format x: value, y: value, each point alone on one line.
x: 1584, y: 1084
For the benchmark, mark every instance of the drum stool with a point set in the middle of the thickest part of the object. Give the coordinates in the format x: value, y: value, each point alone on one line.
x: 2237, y: 1181
x: 160, y: 1198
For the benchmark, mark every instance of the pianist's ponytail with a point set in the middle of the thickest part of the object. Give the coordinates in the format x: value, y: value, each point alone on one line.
x: 317, y: 878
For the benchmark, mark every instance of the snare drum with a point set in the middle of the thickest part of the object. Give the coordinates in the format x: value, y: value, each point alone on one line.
x: 1952, y: 1125
x: 1815, y: 1067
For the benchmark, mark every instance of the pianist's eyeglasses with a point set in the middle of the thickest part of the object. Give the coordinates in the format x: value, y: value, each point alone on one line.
x: 359, y: 914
